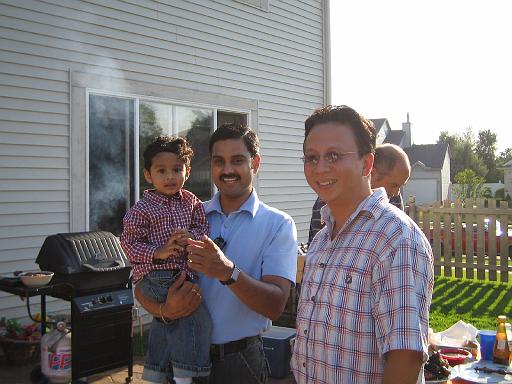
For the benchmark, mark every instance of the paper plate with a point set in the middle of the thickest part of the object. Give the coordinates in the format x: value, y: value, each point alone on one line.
x: 467, y: 372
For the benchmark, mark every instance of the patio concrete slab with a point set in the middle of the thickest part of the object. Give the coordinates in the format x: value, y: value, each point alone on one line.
x: 21, y: 375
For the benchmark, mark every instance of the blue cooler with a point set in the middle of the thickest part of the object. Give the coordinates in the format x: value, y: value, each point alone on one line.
x: 277, y: 346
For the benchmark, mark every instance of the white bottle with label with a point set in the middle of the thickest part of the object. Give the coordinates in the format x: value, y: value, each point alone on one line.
x: 56, y: 355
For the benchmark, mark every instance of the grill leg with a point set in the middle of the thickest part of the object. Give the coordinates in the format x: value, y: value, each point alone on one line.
x: 43, y: 314
x: 130, y: 365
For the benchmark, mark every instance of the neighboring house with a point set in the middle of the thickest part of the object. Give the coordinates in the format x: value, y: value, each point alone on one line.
x: 430, y: 173
x: 430, y: 164
x: 507, y: 178
x: 85, y: 84
x: 385, y: 134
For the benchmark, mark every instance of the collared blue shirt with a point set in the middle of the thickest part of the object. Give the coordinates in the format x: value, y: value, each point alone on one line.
x: 261, y: 241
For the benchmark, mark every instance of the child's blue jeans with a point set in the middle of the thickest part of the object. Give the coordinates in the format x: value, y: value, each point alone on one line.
x: 184, y: 343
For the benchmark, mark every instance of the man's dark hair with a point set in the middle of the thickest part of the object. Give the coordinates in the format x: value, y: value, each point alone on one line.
x: 236, y: 131
x: 386, y: 157
x: 362, y: 128
x: 177, y: 145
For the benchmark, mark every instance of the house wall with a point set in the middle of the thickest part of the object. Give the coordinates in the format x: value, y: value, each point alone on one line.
x: 424, y: 184
x: 383, y: 132
x: 222, y: 53
x: 508, y: 180
x: 445, y: 178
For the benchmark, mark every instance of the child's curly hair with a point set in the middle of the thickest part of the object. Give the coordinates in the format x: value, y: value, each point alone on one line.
x: 173, y: 144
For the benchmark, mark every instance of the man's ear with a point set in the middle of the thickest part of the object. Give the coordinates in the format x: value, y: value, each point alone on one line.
x: 187, y: 172
x: 147, y: 176
x: 255, y: 163
x: 368, y: 164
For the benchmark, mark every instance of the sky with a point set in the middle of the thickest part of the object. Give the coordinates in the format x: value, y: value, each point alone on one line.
x: 446, y: 63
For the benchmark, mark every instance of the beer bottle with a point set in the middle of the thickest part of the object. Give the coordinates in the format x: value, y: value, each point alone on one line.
x: 501, y: 350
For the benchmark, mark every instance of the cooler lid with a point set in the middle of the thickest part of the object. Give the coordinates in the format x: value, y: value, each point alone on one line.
x: 279, y: 333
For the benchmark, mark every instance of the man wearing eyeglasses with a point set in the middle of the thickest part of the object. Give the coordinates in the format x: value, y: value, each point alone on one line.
x: 368, y: 277
x: 247, y: 270
x: 391, y: 170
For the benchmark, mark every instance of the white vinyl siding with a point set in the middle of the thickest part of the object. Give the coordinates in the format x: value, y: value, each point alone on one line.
x: 223, y: 52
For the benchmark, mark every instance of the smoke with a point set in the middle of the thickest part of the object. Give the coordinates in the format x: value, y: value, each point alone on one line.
x: 111, y: 126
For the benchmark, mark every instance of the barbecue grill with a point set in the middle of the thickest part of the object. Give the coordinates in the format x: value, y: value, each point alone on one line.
x: 92, y: 271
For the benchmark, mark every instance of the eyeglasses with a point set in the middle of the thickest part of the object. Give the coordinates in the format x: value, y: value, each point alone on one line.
x: 330, y: 158
x: 220, y: 242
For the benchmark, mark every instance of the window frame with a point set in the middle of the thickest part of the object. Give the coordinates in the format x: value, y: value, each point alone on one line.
x: 137, y: 98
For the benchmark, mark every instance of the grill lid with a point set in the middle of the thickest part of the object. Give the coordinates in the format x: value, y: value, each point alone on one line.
x: 70, y: 253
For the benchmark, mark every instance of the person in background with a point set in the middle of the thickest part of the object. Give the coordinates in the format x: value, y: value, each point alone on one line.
x: 155, y: 230
x: 247, y: 270
x: 367, y: 287
x: 391, y: 170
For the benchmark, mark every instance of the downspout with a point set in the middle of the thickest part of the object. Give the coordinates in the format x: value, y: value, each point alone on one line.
x: 327, y: 51
x: 70, y: 151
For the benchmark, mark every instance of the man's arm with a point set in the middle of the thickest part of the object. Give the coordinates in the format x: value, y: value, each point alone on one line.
x: 402, y: 366
x: 267, y: 296
x: 183, y: 298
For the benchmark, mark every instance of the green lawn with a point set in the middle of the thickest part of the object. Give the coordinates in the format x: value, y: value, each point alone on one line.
x: 475, y: 302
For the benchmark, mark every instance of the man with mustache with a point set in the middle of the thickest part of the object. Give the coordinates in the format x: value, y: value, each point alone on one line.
x: 247, y: 270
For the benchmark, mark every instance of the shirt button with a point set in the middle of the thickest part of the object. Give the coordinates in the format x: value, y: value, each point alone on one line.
x: 313, y: 298
x: 304, y: 365
x: 322, y: 265
x: 305, y: 331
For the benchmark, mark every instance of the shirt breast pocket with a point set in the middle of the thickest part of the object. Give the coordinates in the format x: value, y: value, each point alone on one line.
x: 351, y: 290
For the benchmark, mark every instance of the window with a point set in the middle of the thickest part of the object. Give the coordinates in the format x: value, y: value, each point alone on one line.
x: 262, y: 4
x: 117, y: 140
x: 111, y: 130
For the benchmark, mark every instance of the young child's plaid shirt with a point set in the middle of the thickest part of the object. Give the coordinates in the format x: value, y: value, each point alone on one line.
x: 150, y: 223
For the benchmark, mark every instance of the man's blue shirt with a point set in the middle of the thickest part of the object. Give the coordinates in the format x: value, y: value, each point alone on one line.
x: 261, y: 241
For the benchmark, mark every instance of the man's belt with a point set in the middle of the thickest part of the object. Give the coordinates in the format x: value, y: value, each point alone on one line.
x: 219, y: 350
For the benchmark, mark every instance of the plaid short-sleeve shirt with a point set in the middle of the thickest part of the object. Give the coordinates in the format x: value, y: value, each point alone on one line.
x: 150, y: 223
x: 365, y: 293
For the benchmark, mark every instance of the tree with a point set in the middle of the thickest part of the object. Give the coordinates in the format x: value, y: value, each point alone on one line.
x: 462, y: 153
x: 470, y: 185
x: 486, y: 151
x: 504, y: 157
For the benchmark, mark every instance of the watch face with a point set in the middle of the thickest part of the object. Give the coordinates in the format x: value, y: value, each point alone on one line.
x: 233, y: 278
x: 235, y: 274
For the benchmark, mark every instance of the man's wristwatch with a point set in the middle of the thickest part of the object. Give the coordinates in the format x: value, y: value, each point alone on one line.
x: 233, y: 278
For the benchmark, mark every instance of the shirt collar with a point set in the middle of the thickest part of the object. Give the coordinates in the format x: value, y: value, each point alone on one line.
x: 157, y: 198
x: 250, y: 205
x: 372, y: 205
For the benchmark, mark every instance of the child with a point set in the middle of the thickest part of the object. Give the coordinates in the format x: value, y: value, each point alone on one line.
x: 155, y: 231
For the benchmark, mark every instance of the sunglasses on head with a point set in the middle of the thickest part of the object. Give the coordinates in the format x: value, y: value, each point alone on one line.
x: 220, y: 242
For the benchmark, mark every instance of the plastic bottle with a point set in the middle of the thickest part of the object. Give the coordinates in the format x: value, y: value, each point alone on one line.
x: 501, y: 350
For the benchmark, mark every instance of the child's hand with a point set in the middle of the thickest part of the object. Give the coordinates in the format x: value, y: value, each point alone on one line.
x: 171, y: 248
x: 183, y: 236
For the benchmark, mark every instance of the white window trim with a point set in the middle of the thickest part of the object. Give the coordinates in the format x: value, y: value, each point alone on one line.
x: 82, y: 82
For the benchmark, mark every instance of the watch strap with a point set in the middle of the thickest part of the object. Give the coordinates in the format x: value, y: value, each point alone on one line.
x: 233, y: 278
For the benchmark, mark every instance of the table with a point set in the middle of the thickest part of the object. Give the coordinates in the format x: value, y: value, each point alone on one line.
x: 19, y: 289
